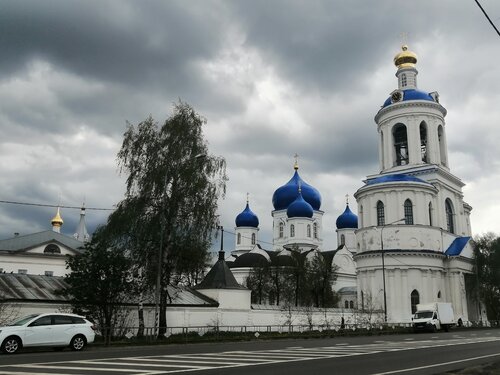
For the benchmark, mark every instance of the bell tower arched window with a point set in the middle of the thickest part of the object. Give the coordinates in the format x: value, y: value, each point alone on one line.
x: 308, y: 230
x: 415, y: 300
x: 238, y: 239
x: 315, y: 230
x: 404, y: 82
x: 253, y: 238
x: 281, y: 230
x: 423, y: 142
x: 400, y: 144
x: 450, y: 220
x: 292, y: 230
x: 380, y: 213
x: 342, y: 239
x: 430, y: 213
x: 408, y: 207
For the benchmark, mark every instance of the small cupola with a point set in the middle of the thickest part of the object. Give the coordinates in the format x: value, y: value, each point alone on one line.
x: 57, y: 222
x: 247, y: 218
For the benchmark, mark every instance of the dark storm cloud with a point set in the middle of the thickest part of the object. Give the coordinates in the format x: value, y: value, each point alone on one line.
x: 114, y: 41
x: 80, y: 69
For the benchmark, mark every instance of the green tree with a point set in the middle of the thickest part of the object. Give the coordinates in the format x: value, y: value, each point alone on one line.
x: 487, y: 268
x: 320, y: 278
x: 168, y: 215
x: 99, y: 283
x: 259, y: 282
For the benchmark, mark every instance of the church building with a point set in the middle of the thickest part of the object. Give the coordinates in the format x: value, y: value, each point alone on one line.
x: 409, y: 243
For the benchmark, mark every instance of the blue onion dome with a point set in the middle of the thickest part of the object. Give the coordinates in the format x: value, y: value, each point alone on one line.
x: 247, y: 218
x: 299, y: 208
x: 347, y: 220
x: 395, y: 178
x: 286, y: 194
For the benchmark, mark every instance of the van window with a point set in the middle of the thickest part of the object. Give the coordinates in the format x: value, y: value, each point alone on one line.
x: 63, y: 319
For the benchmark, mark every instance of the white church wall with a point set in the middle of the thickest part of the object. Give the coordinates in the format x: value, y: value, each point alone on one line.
x: 229, y: 298
x: 34, y: 264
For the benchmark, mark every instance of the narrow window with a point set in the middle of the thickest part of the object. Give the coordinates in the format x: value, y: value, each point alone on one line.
x: 423, y: 142
x: 404, y: 82
x: 380, y: 214
x: 281, y: 227
x: 253, y: 238
x: 308, y: 230
x: 430, y: 213
x: 439, y: 295
x: 450, y: 225
x: 346, y: 304
x: 292, y: 230
x: 238, y: 240
x: 351, y: 304
x: 342, y: 239
x: 315, y: 230
x: 415, y: 300
x: 400, y: 144
x: 362, y: 301
x: 408, y: 212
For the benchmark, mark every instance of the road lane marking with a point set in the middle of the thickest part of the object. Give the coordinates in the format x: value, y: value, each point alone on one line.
x: 438, y: 364
x: 232, y: 359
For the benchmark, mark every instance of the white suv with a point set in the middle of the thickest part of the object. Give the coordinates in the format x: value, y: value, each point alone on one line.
x: 53, y: 329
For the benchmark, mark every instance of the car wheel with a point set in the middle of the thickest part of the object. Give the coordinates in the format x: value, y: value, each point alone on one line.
x: 78, y: 343
x: 11, y: 345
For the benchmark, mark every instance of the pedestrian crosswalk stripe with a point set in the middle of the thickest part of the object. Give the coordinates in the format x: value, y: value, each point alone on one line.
x: 176, y: 363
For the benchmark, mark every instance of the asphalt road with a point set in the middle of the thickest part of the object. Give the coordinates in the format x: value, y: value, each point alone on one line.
x: 389, y: 354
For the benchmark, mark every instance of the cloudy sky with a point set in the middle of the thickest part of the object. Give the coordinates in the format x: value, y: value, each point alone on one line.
x: 273, y: 78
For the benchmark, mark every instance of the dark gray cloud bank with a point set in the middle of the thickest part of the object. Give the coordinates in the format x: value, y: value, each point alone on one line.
x: 273, y: 78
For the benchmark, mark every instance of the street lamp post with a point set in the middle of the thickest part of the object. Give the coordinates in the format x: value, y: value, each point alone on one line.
x: 160, y: 248
x: 383, y: 263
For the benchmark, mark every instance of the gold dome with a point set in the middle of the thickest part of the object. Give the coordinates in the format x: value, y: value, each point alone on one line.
x: 57, y: 221
x: 405, y: 59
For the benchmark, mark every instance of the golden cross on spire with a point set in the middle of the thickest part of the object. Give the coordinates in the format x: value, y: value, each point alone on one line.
x: 247, y: 196
x: 404, y: 38
x: 296, y: 165
x: 347, y: 199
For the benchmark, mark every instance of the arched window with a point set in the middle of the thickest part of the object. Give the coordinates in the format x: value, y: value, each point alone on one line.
x: 238, y: 240
x: 308, y: 230
x: 253, y: 238
x: 315, y: 230
x: 380, y: 214
x: 439, y: 295
x: 408, y: 212
x: 404, y: 83
x: 415, y: 300
x: 361, y: 216
x: 351, y: 304
x: 292, y: 230
x: 362, y: 301
x: 400, y: 144
x: 430, y: 213
x: 342, y: 239
x: 346, y: 304
x: 450, y: 225
x: 281, y: 229
x: 423, y: 142
x: 52, y: 249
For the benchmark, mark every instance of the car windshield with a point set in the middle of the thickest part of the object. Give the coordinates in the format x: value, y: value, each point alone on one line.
x: 423, y: 314
x: 24, y: 320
